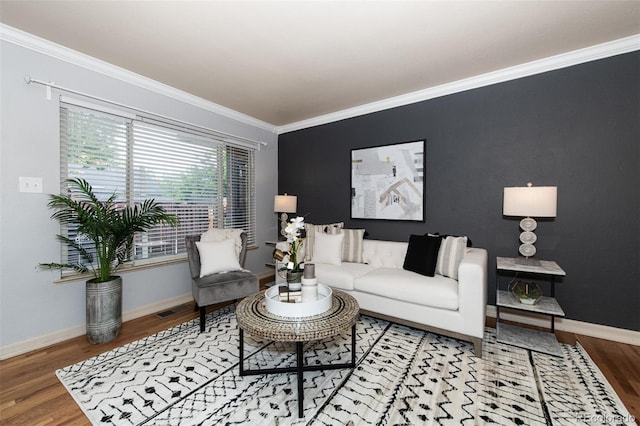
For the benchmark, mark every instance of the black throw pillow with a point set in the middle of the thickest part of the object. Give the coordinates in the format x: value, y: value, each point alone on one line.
x: 422, y: 254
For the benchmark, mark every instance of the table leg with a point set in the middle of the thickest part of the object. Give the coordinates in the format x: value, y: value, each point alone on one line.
x: 300, y: 379
x: 553, y: 294
x: 497, y: 289
x: 299, y: 368
x: 353, y: 345
x: 241, y: 350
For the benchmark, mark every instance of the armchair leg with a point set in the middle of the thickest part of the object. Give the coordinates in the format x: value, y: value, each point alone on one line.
x: 203, y: 313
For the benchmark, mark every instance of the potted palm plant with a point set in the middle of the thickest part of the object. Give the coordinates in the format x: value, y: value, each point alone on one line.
x: 111, y: 229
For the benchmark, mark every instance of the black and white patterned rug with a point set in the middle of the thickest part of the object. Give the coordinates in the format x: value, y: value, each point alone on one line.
x: 403, y: 376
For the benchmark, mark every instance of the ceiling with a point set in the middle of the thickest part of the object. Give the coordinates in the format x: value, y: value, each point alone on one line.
x: 284, y: 62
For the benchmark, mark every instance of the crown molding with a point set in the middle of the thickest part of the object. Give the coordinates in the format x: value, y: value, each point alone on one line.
x: 588, y: 54
x: 46, y: 47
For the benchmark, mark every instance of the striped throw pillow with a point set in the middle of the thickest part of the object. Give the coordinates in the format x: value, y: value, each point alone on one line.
x: 450, y: 255
x: 352, y: 245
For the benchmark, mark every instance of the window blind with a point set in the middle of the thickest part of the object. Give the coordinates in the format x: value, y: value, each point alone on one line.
x: 203, y: 181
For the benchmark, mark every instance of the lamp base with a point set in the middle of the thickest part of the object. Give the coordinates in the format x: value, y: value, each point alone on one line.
x: 283, y: 220
x: 528, y: 237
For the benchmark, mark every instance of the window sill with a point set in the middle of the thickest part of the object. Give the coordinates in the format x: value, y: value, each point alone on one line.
x: 124, y: 269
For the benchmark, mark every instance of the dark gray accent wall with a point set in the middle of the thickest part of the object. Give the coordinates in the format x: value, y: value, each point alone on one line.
x: 577, y: 128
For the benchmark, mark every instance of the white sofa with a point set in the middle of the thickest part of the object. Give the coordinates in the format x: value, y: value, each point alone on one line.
x: 439, y: 304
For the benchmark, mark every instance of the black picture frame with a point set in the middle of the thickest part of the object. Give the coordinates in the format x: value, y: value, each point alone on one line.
x: 388, y: 182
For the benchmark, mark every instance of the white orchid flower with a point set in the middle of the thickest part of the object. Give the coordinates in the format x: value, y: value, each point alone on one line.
x: 293, y: 233
x: 290, y: 229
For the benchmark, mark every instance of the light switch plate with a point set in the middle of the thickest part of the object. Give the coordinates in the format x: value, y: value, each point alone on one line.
x: 30, y: 184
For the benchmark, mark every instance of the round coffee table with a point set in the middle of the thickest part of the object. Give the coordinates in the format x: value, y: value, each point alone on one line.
x: 253, y: 317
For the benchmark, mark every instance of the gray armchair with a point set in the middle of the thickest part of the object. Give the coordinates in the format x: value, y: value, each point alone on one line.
x: 220, y: 287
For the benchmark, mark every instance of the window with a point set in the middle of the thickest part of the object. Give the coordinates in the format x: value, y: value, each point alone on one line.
x: 194, y: 175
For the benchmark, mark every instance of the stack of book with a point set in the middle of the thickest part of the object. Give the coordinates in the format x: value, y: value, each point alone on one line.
x: 286, y: 295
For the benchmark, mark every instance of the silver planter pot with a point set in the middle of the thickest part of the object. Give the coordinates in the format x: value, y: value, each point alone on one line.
x: 104, y: 310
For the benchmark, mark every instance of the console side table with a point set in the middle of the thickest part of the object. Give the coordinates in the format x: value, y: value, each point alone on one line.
x: 535, y: 340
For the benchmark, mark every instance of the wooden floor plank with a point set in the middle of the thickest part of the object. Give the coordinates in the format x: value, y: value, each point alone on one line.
x: 620, y: 364
x: 31, y: 394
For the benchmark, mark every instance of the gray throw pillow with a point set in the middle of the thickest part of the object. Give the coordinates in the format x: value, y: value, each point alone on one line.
x: 450, y: 255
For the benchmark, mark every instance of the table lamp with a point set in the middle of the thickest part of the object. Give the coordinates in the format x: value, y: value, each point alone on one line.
x: 284, y: 204
x: 530, y: 201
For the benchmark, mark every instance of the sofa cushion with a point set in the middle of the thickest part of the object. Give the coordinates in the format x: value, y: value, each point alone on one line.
x: 406, y: 286
x: 450, y: 255
x: 387, y: 254
x: 422, y: 254
x: 342, y: 276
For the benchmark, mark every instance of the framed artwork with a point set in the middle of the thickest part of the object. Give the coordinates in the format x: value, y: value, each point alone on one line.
x: 388, y: 182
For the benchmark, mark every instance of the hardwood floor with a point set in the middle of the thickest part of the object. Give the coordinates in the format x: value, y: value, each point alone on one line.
x: 30, y: 393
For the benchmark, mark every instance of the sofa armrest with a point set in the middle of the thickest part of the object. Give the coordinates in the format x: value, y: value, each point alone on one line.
x: 472, y: 288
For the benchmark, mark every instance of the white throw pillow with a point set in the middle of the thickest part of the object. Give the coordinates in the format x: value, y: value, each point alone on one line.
x: 219, y: 256
x: 450, y: 255
x: 311, y: 229
x: 218, y: 234
x: 327, y: 248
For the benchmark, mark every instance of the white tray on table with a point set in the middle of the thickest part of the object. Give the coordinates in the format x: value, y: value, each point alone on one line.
x: 300, y: 309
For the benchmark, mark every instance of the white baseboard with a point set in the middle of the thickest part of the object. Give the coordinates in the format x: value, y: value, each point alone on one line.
x: 606, y: 332
x: 157, y: 307
x: 621, y: 335
x: 40, y: 342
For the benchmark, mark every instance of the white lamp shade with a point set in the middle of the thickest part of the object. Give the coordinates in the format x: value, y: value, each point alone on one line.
x: 285, y: 203
x: 532, y: 201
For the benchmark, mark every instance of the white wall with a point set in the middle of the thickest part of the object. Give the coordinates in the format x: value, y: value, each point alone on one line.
x: 32, y: 307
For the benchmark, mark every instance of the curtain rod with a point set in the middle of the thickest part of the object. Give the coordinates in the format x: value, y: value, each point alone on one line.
x: 51, y: 85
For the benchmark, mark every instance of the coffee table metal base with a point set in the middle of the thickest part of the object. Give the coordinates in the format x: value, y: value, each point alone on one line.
x: 300, y: 367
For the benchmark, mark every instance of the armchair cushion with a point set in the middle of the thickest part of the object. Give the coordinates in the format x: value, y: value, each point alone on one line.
x: 218, y: 288
x: 219, y: 256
